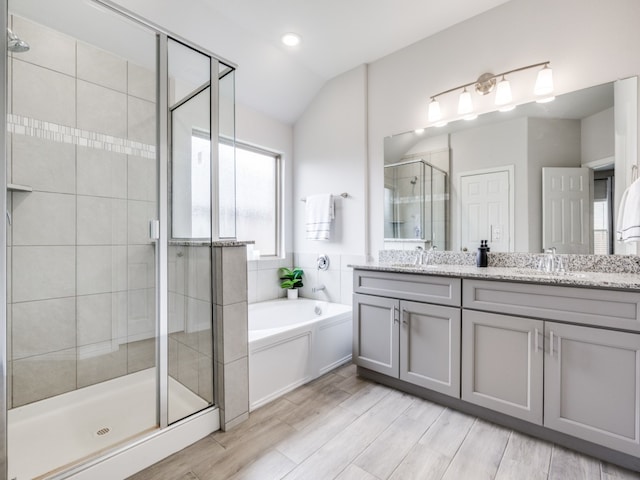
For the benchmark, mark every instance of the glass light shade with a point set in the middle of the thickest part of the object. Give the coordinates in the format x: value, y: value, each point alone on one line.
x: 503, y: 92
x: 465, y: 106
x: 544, y: 82
x: 434, y: 111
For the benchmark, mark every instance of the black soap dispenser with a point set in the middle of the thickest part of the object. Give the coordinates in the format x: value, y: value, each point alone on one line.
x: 481, y: 257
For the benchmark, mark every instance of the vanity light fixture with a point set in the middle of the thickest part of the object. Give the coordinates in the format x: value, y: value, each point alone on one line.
x: 485, y: 84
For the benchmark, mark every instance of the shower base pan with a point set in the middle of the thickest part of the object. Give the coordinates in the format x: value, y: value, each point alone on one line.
x: 52, y: 434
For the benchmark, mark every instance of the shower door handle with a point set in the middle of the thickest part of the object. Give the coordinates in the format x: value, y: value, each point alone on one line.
x: 154, y: 229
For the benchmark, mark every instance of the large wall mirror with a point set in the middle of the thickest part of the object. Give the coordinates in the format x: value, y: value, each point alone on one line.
x: 543, y: 175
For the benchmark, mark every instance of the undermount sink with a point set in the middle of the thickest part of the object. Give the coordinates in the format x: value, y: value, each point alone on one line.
x: 411, y: 265
x: 534, y: 272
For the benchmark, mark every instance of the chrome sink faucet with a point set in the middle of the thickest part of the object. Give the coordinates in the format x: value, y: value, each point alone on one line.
x: 551, y: 263
x: 429, y: 255
x: 549, y: 259
x: 424, y: 257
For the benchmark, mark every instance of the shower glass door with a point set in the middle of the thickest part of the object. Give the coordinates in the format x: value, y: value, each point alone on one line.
x: 190, y: 302
x: 82, y: 172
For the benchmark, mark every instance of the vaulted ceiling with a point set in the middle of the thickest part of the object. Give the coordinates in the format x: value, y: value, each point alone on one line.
x: 280, y: 81
x: 337, y: 35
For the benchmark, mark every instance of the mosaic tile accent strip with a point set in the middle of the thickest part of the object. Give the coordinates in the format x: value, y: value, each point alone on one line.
x: 208, y: 243
x: 21, y: 125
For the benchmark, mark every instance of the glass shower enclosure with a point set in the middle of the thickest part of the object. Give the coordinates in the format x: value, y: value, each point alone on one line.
x: 109, y: 316
x: 415, y: 203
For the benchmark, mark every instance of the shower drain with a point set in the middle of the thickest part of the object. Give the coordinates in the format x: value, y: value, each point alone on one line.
x: 103, y: 431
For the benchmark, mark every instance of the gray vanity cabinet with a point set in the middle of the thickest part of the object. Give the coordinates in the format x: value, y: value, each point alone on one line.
x: 564, y: 358
x: 591, y: 374
x: 592, y: 385
x: 414, y: 341
x: 502, y: 363
x: 376, y: 334
x: 430, y: 346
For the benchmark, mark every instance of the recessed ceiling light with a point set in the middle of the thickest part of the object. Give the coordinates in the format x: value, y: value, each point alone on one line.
x: 291, y: 39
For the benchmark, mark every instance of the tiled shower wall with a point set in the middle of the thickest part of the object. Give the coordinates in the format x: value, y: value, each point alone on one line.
x: 190, y: 310
x: 81, y: 267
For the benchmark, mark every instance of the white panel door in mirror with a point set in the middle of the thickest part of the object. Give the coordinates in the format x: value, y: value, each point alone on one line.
x: 566, y: 212
x: 485, y: 206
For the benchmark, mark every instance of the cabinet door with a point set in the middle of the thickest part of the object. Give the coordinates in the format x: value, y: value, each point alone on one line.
x: 502, y: 363
x: 592, y: 385
x: 430, y: 346
x: 375, y: 333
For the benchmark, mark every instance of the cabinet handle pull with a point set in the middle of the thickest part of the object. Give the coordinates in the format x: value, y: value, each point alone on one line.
x: 394, y: 315
x: 551, y: 343
x: 535, y: 342
x: 404, y: 317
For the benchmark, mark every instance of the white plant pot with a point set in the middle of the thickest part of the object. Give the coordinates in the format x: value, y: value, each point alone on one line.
x: 292, y: 293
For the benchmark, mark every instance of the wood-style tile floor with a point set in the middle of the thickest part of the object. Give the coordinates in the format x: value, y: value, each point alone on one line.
x: 343, y: 427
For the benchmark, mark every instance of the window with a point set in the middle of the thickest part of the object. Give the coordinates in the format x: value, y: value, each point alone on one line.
x: 600, y: 228
x: 603, y: 212
x: 255, y: 201
x: 257, y: 198
x: 191, y: 168
x: 200, y: 185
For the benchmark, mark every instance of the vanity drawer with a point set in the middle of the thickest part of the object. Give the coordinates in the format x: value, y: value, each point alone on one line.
x: 406, y: 286
x: 603, y: 308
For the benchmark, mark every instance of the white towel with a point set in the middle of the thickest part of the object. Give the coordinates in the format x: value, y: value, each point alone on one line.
x: 628, y: 224
x: 319, y: 213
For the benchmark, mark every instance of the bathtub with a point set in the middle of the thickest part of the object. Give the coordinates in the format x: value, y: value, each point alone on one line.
x: 292, y: 342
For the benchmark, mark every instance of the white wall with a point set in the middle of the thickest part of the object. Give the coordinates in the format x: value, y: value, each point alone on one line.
x: 330, y: 151
x: 589, y: 42
x: 597, y: 136
x: 330, y: 157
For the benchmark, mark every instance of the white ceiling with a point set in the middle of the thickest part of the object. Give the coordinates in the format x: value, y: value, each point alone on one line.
x: 337, y: 35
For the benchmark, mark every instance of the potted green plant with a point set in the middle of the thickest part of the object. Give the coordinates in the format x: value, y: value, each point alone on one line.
x: 291, y: 279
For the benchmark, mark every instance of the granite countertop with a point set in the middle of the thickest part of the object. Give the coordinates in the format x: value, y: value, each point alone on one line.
x: 625, y: 281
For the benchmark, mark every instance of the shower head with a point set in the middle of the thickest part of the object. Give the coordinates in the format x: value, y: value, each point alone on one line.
x: 15, y: 43
x: 414, y: 181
